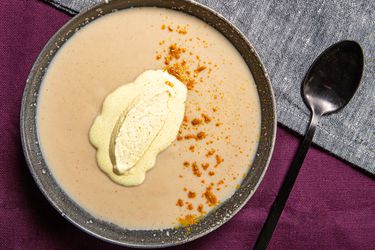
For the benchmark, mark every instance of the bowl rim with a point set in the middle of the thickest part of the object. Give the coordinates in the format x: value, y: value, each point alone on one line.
x: 25, y: 138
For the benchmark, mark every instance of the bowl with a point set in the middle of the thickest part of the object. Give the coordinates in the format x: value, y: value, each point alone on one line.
x: 146, y: 238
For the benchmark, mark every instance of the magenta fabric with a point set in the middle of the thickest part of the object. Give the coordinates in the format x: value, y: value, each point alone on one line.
x: 332, y: 205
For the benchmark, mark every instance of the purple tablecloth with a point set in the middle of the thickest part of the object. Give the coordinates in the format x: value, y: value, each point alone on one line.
x: 332, y: 205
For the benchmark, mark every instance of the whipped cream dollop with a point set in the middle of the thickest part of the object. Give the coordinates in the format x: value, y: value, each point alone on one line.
x: 138, y: 121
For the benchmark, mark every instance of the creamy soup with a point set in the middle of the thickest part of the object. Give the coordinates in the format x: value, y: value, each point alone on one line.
x: 217, y: 139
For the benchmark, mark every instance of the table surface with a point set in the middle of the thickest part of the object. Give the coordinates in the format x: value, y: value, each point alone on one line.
x: 332, y: 205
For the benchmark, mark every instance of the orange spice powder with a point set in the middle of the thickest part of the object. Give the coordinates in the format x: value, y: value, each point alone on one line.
x: 180, y: 203
x: 219, y: 160
x: 200, y: 208
x: 200, y: 68
x: 180, y: 71
x: 175, y: 52
x: 205, y: 165
x: 221, y: 182
x: 177, y: 65
x: 182, y: 30
x: 201, y: 135
x: 187, y: 220
x: 210, y: 153
x: 191, y: 195
x: 196, y: 121
x: 196, y: 170
x: 179, y: 68
x: 197, y: 137
x: 210, y: 196
x: 169, y: 84
x: 206, y: 118
x: 190, y: 206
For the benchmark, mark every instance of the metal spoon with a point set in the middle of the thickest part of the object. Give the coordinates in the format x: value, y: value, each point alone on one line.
x: 328, y: 86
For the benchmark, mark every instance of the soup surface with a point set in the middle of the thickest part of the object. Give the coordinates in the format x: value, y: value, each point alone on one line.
x: 216, y: 142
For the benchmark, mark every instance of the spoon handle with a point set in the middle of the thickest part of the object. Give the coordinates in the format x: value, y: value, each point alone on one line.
x: 282, y: 197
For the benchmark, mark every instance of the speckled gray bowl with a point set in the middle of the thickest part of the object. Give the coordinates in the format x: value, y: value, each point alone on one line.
x: 108, y: 231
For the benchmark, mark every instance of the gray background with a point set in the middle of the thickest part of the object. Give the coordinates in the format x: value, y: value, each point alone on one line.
x: 289, y: 35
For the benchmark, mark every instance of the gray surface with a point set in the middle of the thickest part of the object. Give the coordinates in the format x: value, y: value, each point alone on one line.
x: 288, y: 35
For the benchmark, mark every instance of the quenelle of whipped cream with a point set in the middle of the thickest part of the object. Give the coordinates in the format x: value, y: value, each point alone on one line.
x: 137, y: 121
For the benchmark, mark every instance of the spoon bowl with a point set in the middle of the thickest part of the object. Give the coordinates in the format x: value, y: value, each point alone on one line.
x: 333, y: 78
